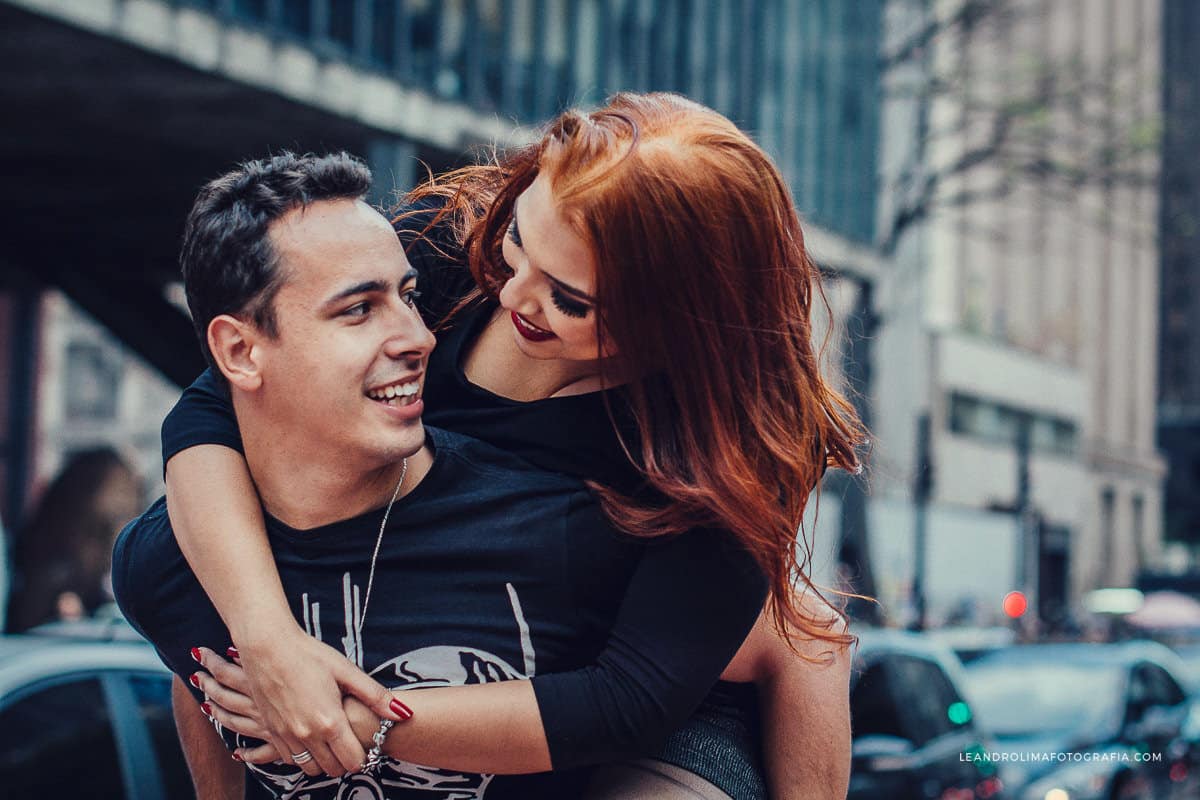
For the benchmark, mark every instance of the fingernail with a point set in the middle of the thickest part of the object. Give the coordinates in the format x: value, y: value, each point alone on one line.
x: 238, y: 757
x: 207, y: 709
x: 400, y: 710
x: 232, y: 652
x: 196, y: 654
x: 194, y: 679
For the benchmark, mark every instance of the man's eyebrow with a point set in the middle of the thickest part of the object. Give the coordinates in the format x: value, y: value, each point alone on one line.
x: 368, y: 287
x: 564, y: 287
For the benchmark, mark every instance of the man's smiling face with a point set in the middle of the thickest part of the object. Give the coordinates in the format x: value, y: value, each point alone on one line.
x: 346, y: 370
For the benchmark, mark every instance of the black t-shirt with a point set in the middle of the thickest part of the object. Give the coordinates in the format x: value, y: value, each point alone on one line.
x: 691, y: 599
x: 490, y: 570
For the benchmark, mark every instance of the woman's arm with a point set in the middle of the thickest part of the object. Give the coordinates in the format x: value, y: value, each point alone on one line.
x: 488, y: 727
x: 805, y: 710
x: 218, y: 523
x: 685, y: 610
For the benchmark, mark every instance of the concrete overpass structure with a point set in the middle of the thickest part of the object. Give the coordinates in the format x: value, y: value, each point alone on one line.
x: 118, y: 110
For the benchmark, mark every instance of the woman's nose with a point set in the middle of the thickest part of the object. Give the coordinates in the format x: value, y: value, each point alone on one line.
x: 515, y: 295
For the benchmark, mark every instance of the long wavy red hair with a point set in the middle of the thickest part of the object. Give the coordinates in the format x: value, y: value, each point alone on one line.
x: 705, y: 288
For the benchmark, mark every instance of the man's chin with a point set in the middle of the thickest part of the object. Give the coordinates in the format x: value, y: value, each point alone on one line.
x: 408, y: 445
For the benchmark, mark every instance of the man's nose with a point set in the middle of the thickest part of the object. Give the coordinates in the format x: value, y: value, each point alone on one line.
x: 410, y: 338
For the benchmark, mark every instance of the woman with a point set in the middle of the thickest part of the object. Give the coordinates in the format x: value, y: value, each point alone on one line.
x: 62, y: 558
x: 637, y: 313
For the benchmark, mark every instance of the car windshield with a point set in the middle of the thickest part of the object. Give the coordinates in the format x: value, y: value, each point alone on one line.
x: 1022, y: 698
x: 1190, y: 653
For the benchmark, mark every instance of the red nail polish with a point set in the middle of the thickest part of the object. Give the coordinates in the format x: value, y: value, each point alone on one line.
x: 232, y: 652
x: 238, y: 757
x: 207, y: 709
x: 400, y: 710
x: 194, y: 679
x: 196, y: 654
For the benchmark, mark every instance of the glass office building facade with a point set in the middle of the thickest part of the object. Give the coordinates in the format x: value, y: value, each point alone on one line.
x: 800, y: 75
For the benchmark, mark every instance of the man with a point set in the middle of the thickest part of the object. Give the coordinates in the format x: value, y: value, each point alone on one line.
x: 308, y: 306
x: 304, y: 301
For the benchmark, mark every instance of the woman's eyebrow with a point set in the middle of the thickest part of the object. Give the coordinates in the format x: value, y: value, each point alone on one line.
x: 564, y: 287
x: 569, y: 289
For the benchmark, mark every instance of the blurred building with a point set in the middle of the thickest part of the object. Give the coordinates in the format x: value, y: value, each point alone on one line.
x: 1020, y: 207
x: 93, y: 391
x: 117, y: 111
x: 1179, y: 337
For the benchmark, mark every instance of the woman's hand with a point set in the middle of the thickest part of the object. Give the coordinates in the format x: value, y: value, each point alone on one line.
x: 290, y: 694
x: 364, y: 722
x: 226, y: 697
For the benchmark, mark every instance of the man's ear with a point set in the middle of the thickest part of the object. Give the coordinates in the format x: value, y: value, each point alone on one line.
x: 234, y: 346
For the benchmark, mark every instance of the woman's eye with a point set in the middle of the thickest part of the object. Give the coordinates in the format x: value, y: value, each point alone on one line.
x: 357, y: 310
x: 513, y: 233
x: 569, y: 306
x: 410, y: 298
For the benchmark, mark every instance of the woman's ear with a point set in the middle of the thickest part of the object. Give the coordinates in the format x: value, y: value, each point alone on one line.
x: 233, y: 344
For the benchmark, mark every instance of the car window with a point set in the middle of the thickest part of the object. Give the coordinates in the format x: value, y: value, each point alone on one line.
x: 873, y: 708
x: 934, y: 707
x: 58, y: 742
x: 1022, y: 696
x: 1155, y: 687
x: 153, y: 695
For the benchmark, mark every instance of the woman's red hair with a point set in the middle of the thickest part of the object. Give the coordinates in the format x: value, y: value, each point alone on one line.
x: 704, y: 287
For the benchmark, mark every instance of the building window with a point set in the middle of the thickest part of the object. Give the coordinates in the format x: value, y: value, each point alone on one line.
x: 1108, y: 532
x: 93, y: 378
x: 998, y: 423
x: 1139, y: 529
x: 1051, y: 435
x: 965, y: 414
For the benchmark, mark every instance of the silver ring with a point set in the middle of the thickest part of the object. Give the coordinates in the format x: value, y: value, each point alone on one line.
x: 303, y: 757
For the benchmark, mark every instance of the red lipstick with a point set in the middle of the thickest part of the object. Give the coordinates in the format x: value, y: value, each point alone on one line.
x: 529, y: 330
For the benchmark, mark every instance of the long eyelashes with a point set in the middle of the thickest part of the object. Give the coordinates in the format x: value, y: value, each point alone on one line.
x: 572, y: 308
x: 565, y: 304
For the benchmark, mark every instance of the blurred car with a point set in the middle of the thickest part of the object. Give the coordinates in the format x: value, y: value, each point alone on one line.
x: 914, y: 729
x: 85, y: 711
x: 973, y: 642
x: 1088, y: 721
x: 1189, y: 654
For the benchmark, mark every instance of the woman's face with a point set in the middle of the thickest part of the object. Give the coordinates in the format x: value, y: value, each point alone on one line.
x: 551, y: 294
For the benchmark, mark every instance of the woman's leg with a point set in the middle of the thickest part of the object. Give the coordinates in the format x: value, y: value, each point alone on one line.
x: 650, y: 778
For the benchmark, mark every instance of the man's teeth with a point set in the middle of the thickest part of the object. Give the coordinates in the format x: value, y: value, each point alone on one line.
x: 402, y: 391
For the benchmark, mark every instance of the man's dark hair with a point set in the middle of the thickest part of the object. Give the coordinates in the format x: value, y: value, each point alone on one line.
x: 228, y: 264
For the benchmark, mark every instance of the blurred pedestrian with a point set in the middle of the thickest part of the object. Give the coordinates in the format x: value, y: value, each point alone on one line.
x: 63, y: 556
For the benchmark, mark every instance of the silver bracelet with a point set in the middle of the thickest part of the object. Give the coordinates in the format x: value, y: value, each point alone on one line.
x: 375, y: 754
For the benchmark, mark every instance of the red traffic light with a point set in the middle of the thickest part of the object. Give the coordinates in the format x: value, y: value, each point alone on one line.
x: 1015, y: 604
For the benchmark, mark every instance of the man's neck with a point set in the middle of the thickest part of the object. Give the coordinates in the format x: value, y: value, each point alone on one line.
x: 305, y: 492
